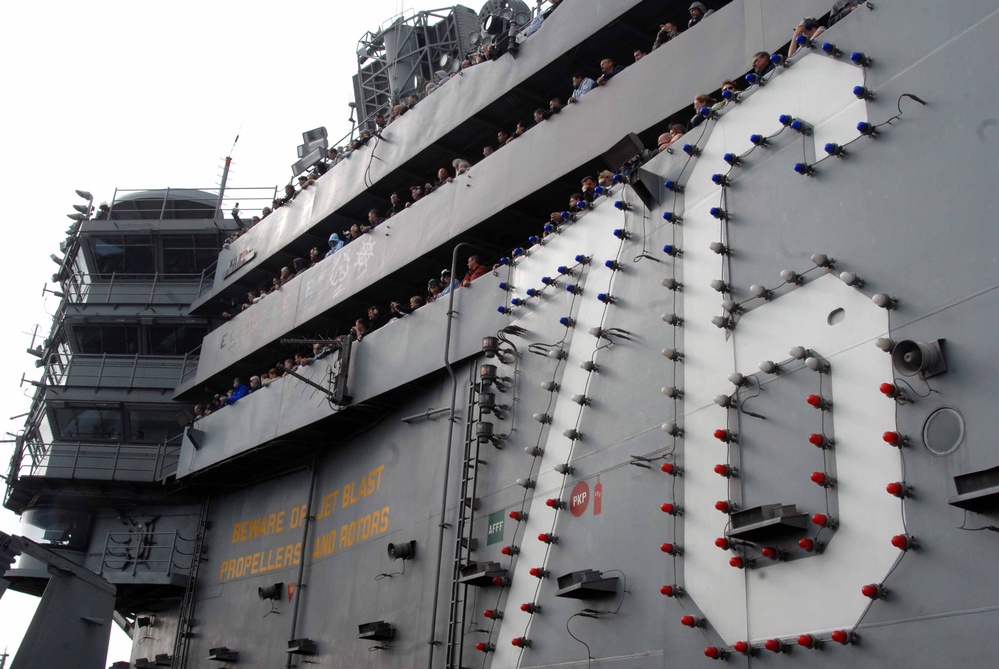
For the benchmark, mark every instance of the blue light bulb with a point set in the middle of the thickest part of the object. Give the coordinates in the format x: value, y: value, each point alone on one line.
x: 830, y: 48
x: 785, y: 119
x: 704, y: 111
x: 800, y: 39
x: 598, y: 190
x: 549, y: 227
x: 727, y: 94
x: 860, y: 58
x: 516, y: 301
x: 752, y: 78
x: 758, y: 140
x: 670, y: 250
x: 531, y: 292
x: 562, y: 269
x: 865, y: 128
x: 532, y: 239
x: 503, y: 285
x: 689, y: 149
x: 669, y: 216
x: 571, y: 288
x: 777, y: 59
x: 832, y: 149
x: 564, y: 215
x: 731, y: 159
x: 803, y: 168
x: 504, y: 261
x: 502, y: 310
x: 797, y: 125
x: 580, y: 258
x: 518, y: 251
x: 566, y: 321
x: 719, y: 179
x: 547, y: 280
x: 617, y: 178
x: 717, y: 212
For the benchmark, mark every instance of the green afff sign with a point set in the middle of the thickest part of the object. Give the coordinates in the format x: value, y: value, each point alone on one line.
x: 495, y: 528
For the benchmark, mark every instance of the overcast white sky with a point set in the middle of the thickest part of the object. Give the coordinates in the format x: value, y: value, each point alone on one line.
x: 113, y: 94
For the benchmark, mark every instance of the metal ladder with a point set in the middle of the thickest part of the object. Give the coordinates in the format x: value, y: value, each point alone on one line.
x: 463, y: 541
x: 182, y: 641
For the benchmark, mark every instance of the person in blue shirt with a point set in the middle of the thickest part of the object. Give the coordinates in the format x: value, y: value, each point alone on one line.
x: 239, y: 391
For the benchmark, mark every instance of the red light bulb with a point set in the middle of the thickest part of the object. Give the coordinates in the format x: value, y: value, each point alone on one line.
x: 723, y: 470
x: 841, y: 636
x: 688, y: 621
x: 806, y: 641
x: 774, y: 645
x: 723, y: 435
x: 499, y: 580
x: 484, y: 647
x: 669, y: 590
x: 668, y: 467
x: 888, y: 389
x: 722, y: 543
x: 815, y: 401
x: 818, y: 478
x: 891, y: 438
x: 492, y: 614
x: 897, y: 489
x: 872, y: 591
x: 816, y: 439
x: 547, y: 537
x: 806, y: 544
x: 769, y: 552
x: 669, y: 549
x: 903, y: 542
x: 530, y: 607
x: 737, y: 562
x: 713, y: 652
x: 509, y: 550
x: 820, y: 519
x: 671, y: 509
x: 538, y: 572
x: 520, y: 642
x: 742, y: 647
x: 518, y: 515
x: 723, y: 505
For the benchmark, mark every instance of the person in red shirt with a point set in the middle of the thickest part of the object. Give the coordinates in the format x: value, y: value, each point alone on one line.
x: 475, y: 270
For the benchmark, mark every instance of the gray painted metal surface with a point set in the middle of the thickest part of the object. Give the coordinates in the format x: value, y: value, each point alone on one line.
x: 908, y: 212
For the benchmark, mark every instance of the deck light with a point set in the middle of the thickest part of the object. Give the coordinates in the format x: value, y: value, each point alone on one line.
x: 538, y: 572
x: 670, y: 549
x: 770, y: 552
x: 841, y: 636
x: 672, y: 392
x: 612, y: 265
x: 550, y: 386
x: 485, y: 647
x: 672, y: 319
x: 532, y: 292
x: 737, y: 379
x: 893, y: 438
x: 517, y: 302
x: 568, y: 433
x: 806, y: 544
x: 800, y: 40
x: 672, y: 354
x: 803, y: 127
x: 671, y: 250
x: 721, y: 286
x: 548, y: 228
x: 691, y: 150
x: 555, y: 503
x: 815, y: 364
x: 521, y: 642
x: 673, y: 430
x: 732, y: 159
x: 621, y: 233
x: 761, y: 291
x: 743, y: 647
x: 898, y: 489
x: 671, y: 591
x: 622, y: 205
x: 903, y: 542
x: 769, y: 367
x: 752, y: 78
x: 724, y: 401
x: 817, y: 401
x: 673, y: 186
x: 719, y: 248
x: 808, y: 641
x: 874, y: 591
x: 726, y: 471
x: 731, y: 96
x: 759, y: 140
x: 542, y: 418
x: 863, y: 93
x: 670, y: 283
x: 859, y: 58
x: 527, y: 483
x: 669, y: 469
x: 567, y: 321
x: 606, y: 298
x: 737, y: 561
x: 547, y: 538
x: 816, y: 439
x: 493, y: 614
x: 865, y: 128
x: 670, y: 509
x: 851, y: 279
x: 534, y: 451
x: 725, y: 506
x: 822, y: 520
x: 724, y: 435
x: 510, y: 550
x: 723, y: 543
x: 804, y: 169
x: 574, y: 289
x: 518, y: 515
x: 719, y: 213
x: 692, y: 621
x: 790, y: 276
x: 834, y: 149
x: 589, y: 366
x: 775, y: 646
x: 822, y: 260
x: 830, y: 49
x: 884, y: 301
x: 715, y: 653
x: 720, y: 180
x: 822, y: 479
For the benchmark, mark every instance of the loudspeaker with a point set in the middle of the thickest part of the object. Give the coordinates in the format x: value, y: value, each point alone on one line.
x: 270, y: 591
x: 403, y: 551
x: 915, y: 357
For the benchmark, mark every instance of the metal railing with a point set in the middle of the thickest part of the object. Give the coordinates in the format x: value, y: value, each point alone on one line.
x: 154, y: 552
x: 101, y: 370
x: 133, y: 288
x: 203, y: 203
x: 137, y: 463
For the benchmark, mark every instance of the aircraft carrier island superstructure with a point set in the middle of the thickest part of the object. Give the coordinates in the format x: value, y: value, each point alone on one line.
x: 736, y: 410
